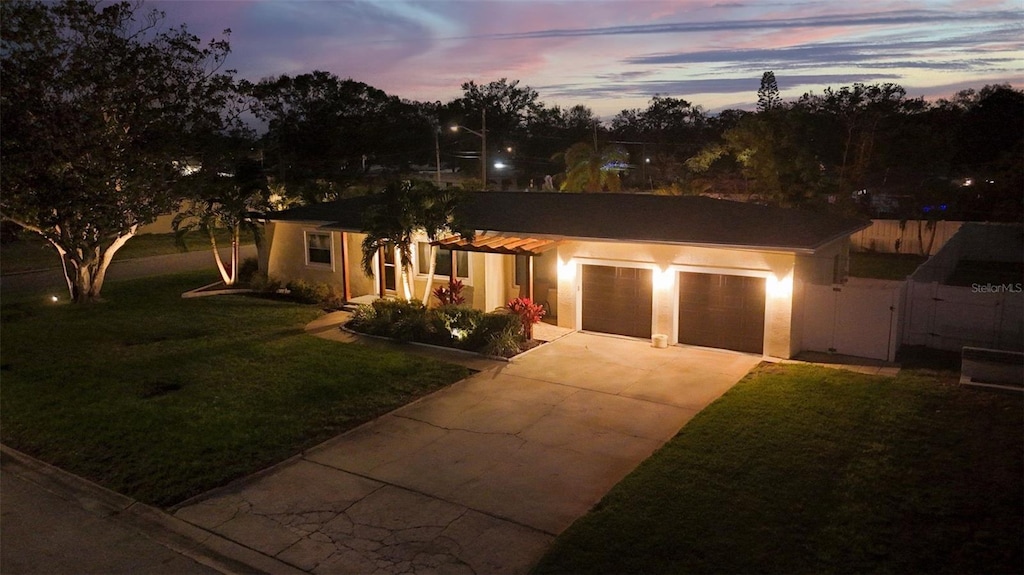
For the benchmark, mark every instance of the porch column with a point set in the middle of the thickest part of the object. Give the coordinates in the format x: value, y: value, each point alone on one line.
x: 455, y: 266
x: 529, y: 274
x: 344, y: 266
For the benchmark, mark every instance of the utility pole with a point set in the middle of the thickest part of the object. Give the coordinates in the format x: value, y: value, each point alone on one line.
x: 437, y: 152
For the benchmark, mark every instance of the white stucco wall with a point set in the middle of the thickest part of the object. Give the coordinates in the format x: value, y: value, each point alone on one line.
x: 286, y: 256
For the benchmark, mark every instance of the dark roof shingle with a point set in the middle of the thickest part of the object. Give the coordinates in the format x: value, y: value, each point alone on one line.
x: 623, y: 217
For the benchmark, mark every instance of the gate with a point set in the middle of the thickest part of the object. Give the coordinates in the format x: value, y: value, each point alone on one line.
x: 860, y: 318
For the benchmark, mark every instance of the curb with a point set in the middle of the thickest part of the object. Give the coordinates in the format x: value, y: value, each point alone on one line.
x: 175, y: 534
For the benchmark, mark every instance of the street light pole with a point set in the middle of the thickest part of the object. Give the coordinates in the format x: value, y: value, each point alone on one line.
x: 483, y: 139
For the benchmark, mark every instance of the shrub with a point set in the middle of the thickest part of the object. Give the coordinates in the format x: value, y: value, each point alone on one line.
x: 363, y: 318
x: 490, y: 324
x: 395, y: 318
x: 528, y: 312
x: 450, y: 294
x: 454, y: 323
x: 264, y: 284
x: 315, y: 293
x: 248, y: 270
x: 504, y: 343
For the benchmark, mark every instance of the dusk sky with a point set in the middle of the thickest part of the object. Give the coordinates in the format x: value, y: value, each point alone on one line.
x: 616, y: 54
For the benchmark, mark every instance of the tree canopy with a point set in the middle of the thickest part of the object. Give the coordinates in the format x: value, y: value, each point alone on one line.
x: 101, y: 109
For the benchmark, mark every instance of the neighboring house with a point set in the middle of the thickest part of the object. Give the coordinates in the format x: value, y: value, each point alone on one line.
x: 702, y: 271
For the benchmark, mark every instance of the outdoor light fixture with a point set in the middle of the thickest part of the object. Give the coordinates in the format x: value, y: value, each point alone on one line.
x: 566, y: 269
x: 779, y: 288
x: 663, y: 278
x: 54, y: 299
x: 499, y: 165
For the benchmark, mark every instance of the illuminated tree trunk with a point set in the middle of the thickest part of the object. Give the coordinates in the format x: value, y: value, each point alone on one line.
x: 430, y: 274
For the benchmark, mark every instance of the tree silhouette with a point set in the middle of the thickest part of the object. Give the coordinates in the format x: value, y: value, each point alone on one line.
x: 768, y: 94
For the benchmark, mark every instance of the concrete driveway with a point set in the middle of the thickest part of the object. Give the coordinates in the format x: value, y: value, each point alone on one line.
x: 478, y: 477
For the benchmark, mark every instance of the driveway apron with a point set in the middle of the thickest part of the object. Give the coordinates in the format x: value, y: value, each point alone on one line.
x: 478, y: 477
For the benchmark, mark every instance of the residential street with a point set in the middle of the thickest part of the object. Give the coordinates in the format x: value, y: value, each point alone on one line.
x: 51, y: 281
x: 55, y: 523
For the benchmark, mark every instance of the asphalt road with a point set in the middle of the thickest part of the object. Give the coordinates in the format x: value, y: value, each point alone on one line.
x: 51, y: 281
x: 44, y: 533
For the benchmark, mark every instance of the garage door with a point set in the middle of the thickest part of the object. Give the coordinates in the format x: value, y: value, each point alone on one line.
x: 617, y: 300
x: 722, y: 311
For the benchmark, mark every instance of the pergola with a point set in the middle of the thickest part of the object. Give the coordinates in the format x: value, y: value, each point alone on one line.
x: 498, y: 244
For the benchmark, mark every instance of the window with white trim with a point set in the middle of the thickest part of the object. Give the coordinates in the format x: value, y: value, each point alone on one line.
x: 443, y: 267
x: 318, y: 249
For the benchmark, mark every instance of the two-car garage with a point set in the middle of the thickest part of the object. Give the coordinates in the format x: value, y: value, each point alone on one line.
x: 714, y: 310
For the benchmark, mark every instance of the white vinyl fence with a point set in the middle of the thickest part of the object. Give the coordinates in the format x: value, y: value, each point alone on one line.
x: 859, y: 318
x: 950, y: 317
x: 982, y: 314
x: 888, y: 236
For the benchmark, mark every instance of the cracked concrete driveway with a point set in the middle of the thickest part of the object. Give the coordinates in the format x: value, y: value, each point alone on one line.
x: 478, y: 477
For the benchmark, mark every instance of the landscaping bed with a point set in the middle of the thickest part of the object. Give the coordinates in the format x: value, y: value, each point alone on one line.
x: 162, y: 398
x: 502, y: 333
x: 800, y: 469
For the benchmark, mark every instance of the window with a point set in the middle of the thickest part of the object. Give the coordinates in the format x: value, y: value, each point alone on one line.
x: 444, y: 261
x: 318, y: 249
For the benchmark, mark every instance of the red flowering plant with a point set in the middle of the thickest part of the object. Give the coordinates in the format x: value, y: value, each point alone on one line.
x: 529, y: 313
x: 450, y: 294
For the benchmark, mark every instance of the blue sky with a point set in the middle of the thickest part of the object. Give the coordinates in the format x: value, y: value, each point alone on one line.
x: 615, y: 54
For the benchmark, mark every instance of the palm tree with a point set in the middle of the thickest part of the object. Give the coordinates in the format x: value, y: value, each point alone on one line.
x: 401, y: 209
x: 436, y: 212
x: 389, y: 223
x: 592, y: 169
x: 221, y: 201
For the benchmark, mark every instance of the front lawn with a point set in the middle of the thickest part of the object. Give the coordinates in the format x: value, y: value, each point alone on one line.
x: 884, y: 266
x: 162, y: 398
x: 801, y: 469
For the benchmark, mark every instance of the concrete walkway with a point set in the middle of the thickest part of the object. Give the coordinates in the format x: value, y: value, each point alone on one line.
x: 478, y: 477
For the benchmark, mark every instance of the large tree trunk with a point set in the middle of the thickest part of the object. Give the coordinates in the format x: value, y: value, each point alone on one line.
x: 90, y: 270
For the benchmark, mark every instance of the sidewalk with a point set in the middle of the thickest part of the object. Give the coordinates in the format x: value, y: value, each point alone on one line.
x: 53, y: 522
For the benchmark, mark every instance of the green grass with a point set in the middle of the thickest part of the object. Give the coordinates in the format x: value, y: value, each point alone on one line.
x: 161, y: 398
x: 884, y: 266
x: 31, y: 252
x: 801, y: 469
